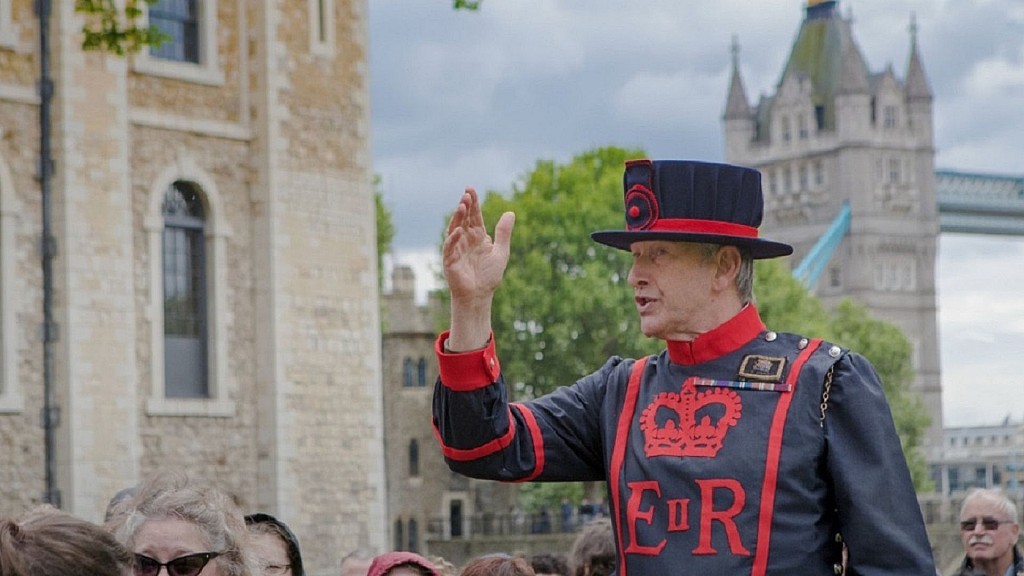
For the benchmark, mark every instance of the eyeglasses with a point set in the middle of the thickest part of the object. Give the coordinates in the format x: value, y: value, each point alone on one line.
x: 190, y: 565
x: 987, y: 522
x: 275, y: 569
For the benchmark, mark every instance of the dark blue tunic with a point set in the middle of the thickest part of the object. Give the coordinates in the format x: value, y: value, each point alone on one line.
x: 718, y: 454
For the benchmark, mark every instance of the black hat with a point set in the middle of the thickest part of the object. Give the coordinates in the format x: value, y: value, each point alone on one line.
x: 687, y: 201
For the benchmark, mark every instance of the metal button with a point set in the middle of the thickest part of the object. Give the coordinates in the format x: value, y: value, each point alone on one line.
x: 802, y: 343
x: 834, y: 351
x: 770, y: 336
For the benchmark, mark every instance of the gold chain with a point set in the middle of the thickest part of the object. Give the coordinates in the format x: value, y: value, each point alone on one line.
x: 824, y: 394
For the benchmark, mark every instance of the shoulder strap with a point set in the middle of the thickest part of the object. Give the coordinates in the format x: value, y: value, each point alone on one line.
x: 619, y: 450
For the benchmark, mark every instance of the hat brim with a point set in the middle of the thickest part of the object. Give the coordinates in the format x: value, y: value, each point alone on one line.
x: 758, y: 248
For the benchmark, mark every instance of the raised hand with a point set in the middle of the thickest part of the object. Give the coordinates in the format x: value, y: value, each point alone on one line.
x: 474, y: 264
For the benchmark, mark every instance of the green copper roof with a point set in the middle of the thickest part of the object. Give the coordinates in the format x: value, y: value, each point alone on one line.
x: 819, y: 53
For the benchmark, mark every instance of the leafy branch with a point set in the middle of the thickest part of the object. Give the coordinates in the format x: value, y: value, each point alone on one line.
x: 108, y: 30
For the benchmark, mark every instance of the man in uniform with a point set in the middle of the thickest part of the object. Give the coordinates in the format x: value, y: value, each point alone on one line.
x: 737, y: 449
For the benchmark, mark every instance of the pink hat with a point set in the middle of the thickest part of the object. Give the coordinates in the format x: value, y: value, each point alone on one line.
x: 383, y: 563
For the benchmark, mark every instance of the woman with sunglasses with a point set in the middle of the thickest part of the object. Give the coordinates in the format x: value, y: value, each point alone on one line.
x: 175, y: 527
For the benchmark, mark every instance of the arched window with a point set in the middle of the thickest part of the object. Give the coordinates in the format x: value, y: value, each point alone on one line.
x: 421, y: 372
x: 184, y: 293
x: 414, y: 536
x: 414, y: 458
x: 407, y: 372
x: 399, y: 533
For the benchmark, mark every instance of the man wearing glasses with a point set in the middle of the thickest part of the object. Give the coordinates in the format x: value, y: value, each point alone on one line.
x: 989, y: 532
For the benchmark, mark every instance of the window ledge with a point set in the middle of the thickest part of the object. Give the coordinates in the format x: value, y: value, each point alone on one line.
x: 187, y: 71
x: 212, y: 408
x: 11, y: 403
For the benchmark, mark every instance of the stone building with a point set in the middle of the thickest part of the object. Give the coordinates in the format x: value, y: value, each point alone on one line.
x: 214, y: 286
x: 989, y: 456
x: 841, y: 145
x: 428, y: 504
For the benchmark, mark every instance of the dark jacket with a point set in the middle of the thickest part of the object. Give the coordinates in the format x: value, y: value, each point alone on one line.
x: 718, y: 456
x: 967, y: 569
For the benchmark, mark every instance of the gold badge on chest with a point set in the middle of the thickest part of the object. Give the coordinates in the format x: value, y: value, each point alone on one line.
x: 762, y: 368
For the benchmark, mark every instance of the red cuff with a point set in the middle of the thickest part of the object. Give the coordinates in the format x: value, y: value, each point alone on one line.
x: 466, y: 371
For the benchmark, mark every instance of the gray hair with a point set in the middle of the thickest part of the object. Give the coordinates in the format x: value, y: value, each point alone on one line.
x: 745, y: 276
x: 1003, y: 503
x: 172, y: 495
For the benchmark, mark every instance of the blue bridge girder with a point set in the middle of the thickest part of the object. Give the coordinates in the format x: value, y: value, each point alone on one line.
x: 968, y: 203
x: 980, y: 203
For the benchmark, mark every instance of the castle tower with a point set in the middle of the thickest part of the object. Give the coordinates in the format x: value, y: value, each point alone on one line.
x: 835, y: 132
x: 215, y: 282
x: 426, y: 501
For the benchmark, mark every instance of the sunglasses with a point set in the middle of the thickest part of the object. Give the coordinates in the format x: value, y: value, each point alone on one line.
x: 190, y: 565
x: 987, y: 522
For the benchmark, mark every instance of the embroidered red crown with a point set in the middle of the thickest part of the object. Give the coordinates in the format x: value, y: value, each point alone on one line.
x: 681, y: 434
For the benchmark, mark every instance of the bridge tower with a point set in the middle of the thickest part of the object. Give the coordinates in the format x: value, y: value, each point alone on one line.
x: 836, y: 134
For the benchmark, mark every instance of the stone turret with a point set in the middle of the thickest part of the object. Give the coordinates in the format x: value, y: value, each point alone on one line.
x: 835, y: 132
x: 738, y: 117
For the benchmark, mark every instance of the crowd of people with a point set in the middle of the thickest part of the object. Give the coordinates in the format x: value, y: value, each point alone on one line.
x: 175, y: 525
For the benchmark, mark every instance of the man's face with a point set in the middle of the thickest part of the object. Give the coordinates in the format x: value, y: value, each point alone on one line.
x: 672, y: 289
x: 992, y: 543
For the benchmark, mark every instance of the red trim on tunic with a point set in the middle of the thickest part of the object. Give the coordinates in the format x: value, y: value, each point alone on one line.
x: 467, y: 371
x: 538, y: 441
x: 696, y: 226
x: 465, y: 454
x: 619, y: 452
x: 771, y: 473
x: 728, y: 337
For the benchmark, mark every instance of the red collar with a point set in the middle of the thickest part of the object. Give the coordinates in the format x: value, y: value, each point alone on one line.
x: 727, y: 337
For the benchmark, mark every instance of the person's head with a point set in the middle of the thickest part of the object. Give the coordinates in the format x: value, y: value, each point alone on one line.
x: 696, y: 223
x: 401, y: 564
x: 117, y: 501
x: 549, y: 565
x: 274, y: 546
x: 49, y: 542
x: 356, y: 563
x: 593, y: 552
x: 988, y: 527
x: 185, y: 527
x: 497, y: 565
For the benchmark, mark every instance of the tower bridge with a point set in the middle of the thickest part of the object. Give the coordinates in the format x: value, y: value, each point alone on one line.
x: 980, y: 203
x: 966, y: 203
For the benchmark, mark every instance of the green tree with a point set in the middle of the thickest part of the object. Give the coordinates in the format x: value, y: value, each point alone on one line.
x: 385, y: 229
x: 110, y: 30
x: 564, y: 305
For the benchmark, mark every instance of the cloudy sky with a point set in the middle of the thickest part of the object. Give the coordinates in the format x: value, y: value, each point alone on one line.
x: 464, y: 98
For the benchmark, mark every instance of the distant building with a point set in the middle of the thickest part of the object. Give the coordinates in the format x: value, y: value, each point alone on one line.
x: 981, y: 457
x: 426, y: 501
x: 835, y: 134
